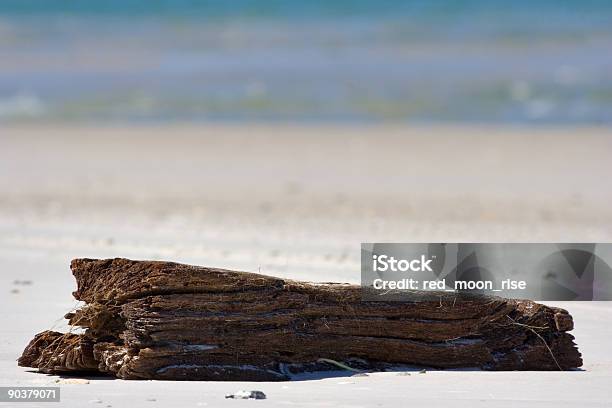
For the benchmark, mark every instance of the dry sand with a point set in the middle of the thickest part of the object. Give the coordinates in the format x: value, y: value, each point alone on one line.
x: 295, y: 201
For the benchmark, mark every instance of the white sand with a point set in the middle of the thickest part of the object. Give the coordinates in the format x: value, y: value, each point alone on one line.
x: 295, y: 202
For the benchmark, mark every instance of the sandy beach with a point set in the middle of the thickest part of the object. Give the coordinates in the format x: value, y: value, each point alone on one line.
x: 295, y: 201
x: 276, y: 137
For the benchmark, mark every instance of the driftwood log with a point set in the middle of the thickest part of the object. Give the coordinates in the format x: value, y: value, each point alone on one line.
x: 167, y: 321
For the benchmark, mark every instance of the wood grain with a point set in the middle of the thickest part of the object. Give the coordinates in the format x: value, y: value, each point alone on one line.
x: 164, y: 320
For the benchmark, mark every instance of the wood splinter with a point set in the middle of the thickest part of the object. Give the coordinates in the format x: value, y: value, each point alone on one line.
x: 168, y: 321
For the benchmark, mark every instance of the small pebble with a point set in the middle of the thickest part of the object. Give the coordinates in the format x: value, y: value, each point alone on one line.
x: 403, y: 373
x: 72, y: 381
x: 151, y: 399
x: 423, y: 371
x: 247, y: 395
x: 22, y: 282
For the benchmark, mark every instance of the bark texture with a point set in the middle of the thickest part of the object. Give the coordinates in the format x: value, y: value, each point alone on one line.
x: 163, y: 320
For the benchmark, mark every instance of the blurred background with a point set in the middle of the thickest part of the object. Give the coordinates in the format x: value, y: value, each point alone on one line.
x: 276, y: 136
x: 472, y: 61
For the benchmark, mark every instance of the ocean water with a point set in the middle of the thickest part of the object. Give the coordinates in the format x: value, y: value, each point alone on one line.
x: 350, y: 61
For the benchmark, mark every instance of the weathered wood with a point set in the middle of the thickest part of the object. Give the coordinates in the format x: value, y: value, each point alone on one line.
x: 163, y: 320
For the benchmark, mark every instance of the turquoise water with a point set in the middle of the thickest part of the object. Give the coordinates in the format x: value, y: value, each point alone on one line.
x: 420, y: 61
